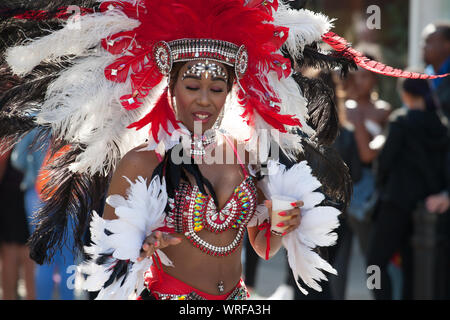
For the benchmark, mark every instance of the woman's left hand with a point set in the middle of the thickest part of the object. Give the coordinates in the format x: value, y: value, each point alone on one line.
x: 294, y: 214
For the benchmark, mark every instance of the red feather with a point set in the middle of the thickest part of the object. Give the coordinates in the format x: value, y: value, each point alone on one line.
x: 341, y: 45
x: 141, y: 84
x: 118, y: 71
x: 130, y: 101
x: 161, y: 114
x: 272, y: 116
x: 144, y: 81
x: 132, y: 11
x: 250, y: 25
x: 119, y: 42
x: 263, y: 4
x: 281, y: 65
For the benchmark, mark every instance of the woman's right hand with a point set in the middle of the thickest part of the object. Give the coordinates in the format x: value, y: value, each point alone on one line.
x: 157, y: 240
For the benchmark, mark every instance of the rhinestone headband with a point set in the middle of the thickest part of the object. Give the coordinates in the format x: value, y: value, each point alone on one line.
x: 167, y: 53
x: 206, y: 68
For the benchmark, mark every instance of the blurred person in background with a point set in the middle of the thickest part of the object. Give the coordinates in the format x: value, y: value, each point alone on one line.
x: 409, y: 168
x: 346, y: 146
x: 31, y: 163
x: 14, y: 232
x: 436, y: 54
x: 368, y: 115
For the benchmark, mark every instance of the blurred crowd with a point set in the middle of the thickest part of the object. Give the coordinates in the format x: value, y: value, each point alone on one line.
x: 399, y: 161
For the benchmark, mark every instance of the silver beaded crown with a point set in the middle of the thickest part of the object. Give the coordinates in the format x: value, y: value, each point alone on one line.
x: 167, y: 53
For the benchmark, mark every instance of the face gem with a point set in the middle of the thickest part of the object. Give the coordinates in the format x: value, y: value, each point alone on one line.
x: 206, y: 68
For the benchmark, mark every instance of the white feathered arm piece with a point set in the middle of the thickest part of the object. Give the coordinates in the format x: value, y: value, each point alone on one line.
x: 113, y: 268
x: 317, y: 222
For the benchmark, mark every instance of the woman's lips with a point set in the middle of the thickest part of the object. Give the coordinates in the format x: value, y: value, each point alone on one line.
x: 202, y: 116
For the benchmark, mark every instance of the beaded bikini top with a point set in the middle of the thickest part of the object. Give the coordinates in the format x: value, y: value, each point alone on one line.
x: 192, y: 211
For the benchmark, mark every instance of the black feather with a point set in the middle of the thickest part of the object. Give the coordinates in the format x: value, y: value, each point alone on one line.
x: 20, y: 99
x: 332, y: 172
x: 322, y: 109
x: 103, y: 258
x: 328, y: 167
x: 52, y: 5
x: 13, y: 126
x: 120, y: 268
x: 69, y: 194
x: 28, y: 93
x: 312, y: 57
x: 15, y: 32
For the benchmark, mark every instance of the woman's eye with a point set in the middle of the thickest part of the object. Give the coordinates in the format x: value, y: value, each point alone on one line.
x: 192, y: 88
x: 217, y: 90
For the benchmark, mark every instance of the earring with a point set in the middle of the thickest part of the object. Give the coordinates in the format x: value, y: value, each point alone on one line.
x: 173, y: 100
x: 219, y: 119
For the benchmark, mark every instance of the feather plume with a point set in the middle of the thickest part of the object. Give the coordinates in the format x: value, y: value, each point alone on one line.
x: 119, y: 241
x: 44, y: 5
x: 305, y: 27
x: 344, y: 48
x: 322, y: 110
x: 317, y: 225
x: 26, y: 94
x: 13, y: 128
x: 82, y: 106
x: 67, y: 194
x: 314, y: 58
x: 330, y: 170
x: 71, y: 40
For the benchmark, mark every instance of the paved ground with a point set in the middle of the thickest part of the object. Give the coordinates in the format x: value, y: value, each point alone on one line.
x: 272, y: 273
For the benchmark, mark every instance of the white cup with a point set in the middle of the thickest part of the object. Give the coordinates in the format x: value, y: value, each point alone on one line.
x: 279, y: 204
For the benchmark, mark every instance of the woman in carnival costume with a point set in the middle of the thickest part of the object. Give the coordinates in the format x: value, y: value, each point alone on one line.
x: 222, y: 126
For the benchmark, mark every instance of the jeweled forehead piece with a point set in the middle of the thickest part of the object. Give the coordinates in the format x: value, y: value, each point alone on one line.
x: 207, y: 68
x: 167, y: 53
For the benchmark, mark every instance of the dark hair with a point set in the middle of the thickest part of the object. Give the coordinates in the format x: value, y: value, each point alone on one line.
x: 444, y: 29
x: 419, y: 88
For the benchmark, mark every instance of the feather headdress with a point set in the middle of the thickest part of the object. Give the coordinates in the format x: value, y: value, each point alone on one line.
x: 88, y: 79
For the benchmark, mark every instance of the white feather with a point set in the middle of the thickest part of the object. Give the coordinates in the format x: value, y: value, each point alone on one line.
x: 82, y: 106
x: 139, y: 213
x: 316, y: 226
x: 232, y: 121
x: 73, y: 39
x: 292, y: 100
x: 305, y: 27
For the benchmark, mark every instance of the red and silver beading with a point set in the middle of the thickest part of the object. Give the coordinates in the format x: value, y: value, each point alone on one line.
x: 192, y: 211
x: 183, y: 50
